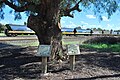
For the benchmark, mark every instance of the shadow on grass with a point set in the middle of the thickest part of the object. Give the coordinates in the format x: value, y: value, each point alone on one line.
x: 16, y: 62
x: 3, y: 45
x: 96, y: 77
x: 105, y: 60
x: 109, y: 61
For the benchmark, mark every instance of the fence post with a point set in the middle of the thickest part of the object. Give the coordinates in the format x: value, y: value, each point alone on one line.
x: 72, y: 62
x: 44, y: 65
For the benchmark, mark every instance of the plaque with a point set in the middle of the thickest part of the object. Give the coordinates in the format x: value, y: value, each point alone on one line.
x: 73, y: 49
x: 44, y: 50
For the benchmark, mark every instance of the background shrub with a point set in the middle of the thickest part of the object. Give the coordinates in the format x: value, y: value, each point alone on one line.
x: 104, y: 40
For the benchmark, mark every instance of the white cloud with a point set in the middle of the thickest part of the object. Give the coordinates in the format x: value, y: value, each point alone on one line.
x: 99, y: 26
x: 84, y: 23
x: 72, y: 25
x: 108, y: 25
x: 3, y: 22
x: 92, y: 26
x: 105, y: 18
x: 90, y: 16
x: 111, y: 26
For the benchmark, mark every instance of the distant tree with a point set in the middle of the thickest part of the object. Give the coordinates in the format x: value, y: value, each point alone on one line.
x: 78, y: 27
x: 88, y: 29
x: 44, y: 15
x: 118, y: 30
x: 99, y: 29
x: 94, y: 29
x: 2, y: 28
x: 25, y: 23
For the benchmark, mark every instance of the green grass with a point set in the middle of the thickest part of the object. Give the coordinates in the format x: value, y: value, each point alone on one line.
x: 2, y: 34
x: 28, y: 44
x: 103, y: 47
x: 24, y: 44
x: 70, y: 42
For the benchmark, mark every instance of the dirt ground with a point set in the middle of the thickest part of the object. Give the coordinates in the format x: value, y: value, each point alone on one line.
x: 20, y: 63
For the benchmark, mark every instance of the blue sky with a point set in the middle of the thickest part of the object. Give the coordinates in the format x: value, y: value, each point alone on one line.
x: 9, y: 18
x: 89, y: 20
x: 84, y: 19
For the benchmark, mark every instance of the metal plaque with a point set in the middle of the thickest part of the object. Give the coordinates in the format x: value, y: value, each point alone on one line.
x: 73, y: 49
x: 44, y: 50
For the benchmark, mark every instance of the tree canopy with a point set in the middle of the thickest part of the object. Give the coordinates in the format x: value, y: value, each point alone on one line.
x: 66, y: 7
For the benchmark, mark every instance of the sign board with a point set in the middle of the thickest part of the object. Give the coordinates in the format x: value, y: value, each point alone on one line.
x: 44, y: 50
x: 73, y: 49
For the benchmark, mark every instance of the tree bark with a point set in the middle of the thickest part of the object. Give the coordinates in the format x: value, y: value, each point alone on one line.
x: 46, y: 26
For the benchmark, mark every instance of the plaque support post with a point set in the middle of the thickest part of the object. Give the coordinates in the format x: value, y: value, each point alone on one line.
x: 72, y: 62
x: 44, y: 65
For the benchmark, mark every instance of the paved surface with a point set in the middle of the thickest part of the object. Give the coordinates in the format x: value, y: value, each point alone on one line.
x: 5, y: 38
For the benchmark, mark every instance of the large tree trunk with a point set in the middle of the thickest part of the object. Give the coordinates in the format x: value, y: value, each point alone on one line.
x: 46, y: 25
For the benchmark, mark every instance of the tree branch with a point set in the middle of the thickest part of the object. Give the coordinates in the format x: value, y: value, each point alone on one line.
x: 76, y: 7
x: 16, y: 8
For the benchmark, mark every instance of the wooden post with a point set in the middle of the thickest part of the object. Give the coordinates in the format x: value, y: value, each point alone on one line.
x: 72, y: 62
x: 44, y: 65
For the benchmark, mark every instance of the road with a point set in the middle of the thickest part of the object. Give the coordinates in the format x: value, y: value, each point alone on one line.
x: 5, y: 38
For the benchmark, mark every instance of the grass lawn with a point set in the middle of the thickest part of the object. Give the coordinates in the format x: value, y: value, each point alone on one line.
x: 103, y: 47
x: 2, y: 34
x: 25, y: 44
x: 70, y: 42
x: 28, y: 44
